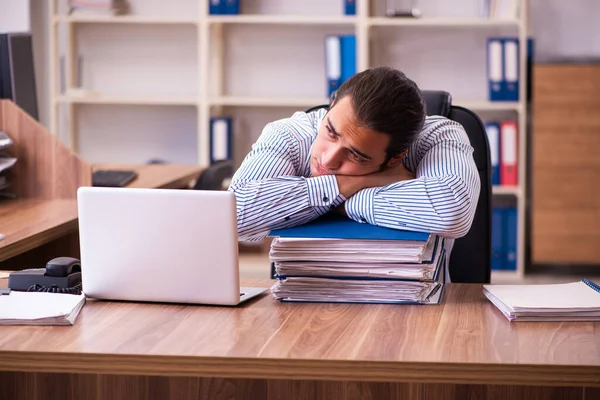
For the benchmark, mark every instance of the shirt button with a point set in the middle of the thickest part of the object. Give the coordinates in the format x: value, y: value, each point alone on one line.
x: 325, y: 199
x: 287, y: 218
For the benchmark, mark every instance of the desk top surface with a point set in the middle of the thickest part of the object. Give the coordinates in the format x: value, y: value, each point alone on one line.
x: 29, y: 223
x: 463, y: 340
x: 164, y: 176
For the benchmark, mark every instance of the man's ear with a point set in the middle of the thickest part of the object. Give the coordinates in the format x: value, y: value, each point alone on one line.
x: 395, y: 160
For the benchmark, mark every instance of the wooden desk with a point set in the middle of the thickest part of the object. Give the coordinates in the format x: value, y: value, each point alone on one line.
x: 30, y: 223
x: 163, y: 176
x: 265, y: 350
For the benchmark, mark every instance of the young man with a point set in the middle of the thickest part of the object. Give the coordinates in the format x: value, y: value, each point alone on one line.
x: 373, y: 156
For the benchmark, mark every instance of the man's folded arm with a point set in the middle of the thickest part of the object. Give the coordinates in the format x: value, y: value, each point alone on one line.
x: 270, y: 195
x: 443, y: 197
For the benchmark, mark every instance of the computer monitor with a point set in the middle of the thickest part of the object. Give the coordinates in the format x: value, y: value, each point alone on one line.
x: 17, y: 74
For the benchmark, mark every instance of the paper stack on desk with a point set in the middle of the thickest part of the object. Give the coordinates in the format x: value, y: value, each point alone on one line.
x: 40, y: 308
x: 339, y: 260
x: 576, y: 301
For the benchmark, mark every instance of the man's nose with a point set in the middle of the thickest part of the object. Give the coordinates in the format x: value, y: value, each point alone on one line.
x: 331, y: 159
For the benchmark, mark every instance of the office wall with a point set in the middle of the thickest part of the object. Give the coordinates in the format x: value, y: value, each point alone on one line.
x: 561, y: 29
x: 14, y: 16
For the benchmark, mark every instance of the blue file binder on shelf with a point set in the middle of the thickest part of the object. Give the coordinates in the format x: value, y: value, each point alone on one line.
x: 510, y: 232
x: 232, y: 7
x: 495, y: 68
x: 493, y: 133
x: 350, y: 7
x: 498, y: 250
x: 223, y: 7
x: 340, y: 60
x: 216, y: 7
x: 333, y: 63
x: 511, y: 69
x: 348, y: 45
x: 332, y: 227
x: 220, y: 139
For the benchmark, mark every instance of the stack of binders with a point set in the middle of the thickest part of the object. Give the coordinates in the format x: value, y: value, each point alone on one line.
x: 6, y: 163
x: 340, y: 60
x: 335, y: 259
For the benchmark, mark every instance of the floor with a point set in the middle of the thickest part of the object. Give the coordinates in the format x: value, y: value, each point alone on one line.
x: 257, y: 266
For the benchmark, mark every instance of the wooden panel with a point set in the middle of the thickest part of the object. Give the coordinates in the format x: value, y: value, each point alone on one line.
x: 465, y: 340
x: 566, y: 164
x: 568, y: 150
x: 579, y: 250
x: 32, y: 386
x: 45, y: 169
x: 568, y: 193
x: 567, y: 222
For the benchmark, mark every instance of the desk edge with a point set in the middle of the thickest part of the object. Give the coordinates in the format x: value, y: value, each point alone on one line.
x: 302, y: 369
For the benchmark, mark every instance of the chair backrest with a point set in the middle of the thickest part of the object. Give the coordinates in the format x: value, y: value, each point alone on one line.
x: 212, y: 178
x: 470, y: 260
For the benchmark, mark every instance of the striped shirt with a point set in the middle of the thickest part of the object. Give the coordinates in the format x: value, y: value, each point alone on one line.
x: 274, y: 187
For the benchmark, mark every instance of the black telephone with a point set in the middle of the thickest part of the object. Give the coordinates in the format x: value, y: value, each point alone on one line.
x: 61, y: 275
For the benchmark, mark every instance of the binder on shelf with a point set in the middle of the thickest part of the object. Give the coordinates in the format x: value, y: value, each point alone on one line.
x: 511, y: 69
x: 495, y: 68
x: 220, y: 139
x: 498, y: 248
x: 348, y: 47
x: 350, y: 7
x: 216, y: 7
x: 333, y: 63
x: 510, y: 238
x: 232, y: 7
x: 508, y: 153
x: 493, y: 133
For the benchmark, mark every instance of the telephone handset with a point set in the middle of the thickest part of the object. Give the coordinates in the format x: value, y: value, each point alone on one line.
x: 61, y: 275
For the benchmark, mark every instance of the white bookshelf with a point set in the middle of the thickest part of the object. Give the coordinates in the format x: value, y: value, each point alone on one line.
x: 243, y: 65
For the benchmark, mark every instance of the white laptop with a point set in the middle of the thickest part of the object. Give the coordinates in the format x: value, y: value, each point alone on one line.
x: 160, y: 245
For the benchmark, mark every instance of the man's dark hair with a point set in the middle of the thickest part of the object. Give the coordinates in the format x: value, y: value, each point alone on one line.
x: 386, y: 100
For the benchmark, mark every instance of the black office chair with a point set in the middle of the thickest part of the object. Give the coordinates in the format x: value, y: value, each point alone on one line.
x: 470, y: 260
x: 214, y: 175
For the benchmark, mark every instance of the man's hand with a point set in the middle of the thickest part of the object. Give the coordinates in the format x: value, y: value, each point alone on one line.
x: 349, y: 185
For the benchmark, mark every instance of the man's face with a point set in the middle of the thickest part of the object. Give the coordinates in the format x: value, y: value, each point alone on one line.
x: 343, y: 148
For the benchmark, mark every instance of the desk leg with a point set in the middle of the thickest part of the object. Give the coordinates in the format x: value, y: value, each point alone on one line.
x: 49, y: 386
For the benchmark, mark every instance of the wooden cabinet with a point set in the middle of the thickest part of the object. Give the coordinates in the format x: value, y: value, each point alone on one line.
x: 566, y: 164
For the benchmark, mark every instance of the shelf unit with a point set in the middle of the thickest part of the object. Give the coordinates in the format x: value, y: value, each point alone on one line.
x: 210, y: 96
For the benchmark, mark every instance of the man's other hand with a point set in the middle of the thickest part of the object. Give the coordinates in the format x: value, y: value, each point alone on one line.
x: 349, y: 185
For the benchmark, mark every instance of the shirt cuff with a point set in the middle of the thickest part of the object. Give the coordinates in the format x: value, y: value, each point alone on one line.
x: 323, y: 191
x: 360, y: 206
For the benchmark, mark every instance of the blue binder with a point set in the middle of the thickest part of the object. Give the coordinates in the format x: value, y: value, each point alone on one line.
x: 232, y: 7
x: 216, y: 7
x: 333, y: 63
x: 493, y: 133
x: 348, y: 47
x: 498, y: 254
x: 510, y: 238
x: 333, y: 227
x: 350, y: 7
x: 511, y: 69
x: 495, y: 68
x: 220, y: 139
